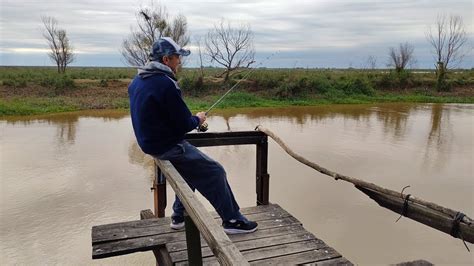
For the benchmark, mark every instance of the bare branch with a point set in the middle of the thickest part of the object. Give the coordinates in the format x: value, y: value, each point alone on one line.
x: 402, y: 57
x: 447, y: 40
x: 61, y: 51
x: 152, y: 23
x: 230, y: 47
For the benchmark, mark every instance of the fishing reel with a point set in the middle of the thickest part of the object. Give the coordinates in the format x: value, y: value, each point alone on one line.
x: 203, y: 127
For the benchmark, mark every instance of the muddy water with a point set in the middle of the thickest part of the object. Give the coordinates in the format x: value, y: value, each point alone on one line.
x: 62, y: 174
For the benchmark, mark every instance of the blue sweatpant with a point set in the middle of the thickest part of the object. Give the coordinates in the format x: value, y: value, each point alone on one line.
x: 207, y: 176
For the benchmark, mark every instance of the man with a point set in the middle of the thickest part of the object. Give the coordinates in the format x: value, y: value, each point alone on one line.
x: 160, y: 120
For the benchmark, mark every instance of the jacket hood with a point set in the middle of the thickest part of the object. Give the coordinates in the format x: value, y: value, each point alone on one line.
x: 152, y: 68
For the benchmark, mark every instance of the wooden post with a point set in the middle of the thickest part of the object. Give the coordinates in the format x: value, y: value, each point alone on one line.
x: 263, y: 178
x: 193, y: 241
x: 159, y: 192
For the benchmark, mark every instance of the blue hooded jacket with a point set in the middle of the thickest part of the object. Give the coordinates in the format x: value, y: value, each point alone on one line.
x: 159, y: 115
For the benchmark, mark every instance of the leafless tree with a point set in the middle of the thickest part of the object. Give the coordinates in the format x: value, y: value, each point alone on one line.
x: 400, y: 58
x: 61, y: 51
x: 230, y: 47
x: 201, y: 66
x: 152, y: 23
x: 371, y: 62
x: 447, y: 39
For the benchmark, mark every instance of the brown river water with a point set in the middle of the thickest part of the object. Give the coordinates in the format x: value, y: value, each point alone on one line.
x: 61, y: 174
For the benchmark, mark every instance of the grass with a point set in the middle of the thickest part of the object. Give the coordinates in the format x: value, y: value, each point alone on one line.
x: 37, y: 90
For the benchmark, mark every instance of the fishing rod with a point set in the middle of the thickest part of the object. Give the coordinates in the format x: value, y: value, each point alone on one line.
x: 204, y: 126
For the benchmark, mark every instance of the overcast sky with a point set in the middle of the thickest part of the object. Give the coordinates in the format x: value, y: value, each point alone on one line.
x: 313, y: 33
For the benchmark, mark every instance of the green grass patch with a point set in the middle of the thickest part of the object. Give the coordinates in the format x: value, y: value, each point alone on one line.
x: 31, y: 106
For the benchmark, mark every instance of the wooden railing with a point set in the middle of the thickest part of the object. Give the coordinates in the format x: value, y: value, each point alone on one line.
x: 197, y: 219
x: 200, y: 221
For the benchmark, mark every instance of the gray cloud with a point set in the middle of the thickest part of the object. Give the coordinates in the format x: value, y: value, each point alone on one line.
x: 334, y: 33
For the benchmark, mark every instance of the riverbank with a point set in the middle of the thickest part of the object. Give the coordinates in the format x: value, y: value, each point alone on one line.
x: 29, y: 91
x: 44, y: 105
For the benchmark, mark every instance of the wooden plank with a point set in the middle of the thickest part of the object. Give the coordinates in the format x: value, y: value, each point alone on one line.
x: 206, y: 135
x: 267, y: 224
x: 161, y: 254
x: 276, y: 251
x: 127, y: 246
x: 421, y: 214
x: 256, y: 209
x: 149, y: 227
x: 251, y: 244
x: 140, y: 228
x: 305, y: 257
x: 224, y: 138
x: 149, y: 242
x: 261, y: 233
x: 146, y: 214
x: 221, y: 245
x: 224, y: 141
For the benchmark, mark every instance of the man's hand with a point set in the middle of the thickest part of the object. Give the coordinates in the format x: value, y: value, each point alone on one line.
x: 202, y: 117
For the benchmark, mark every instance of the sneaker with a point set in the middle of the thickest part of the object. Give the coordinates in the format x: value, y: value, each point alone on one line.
x: 232, y: 227
x: 177, y: 222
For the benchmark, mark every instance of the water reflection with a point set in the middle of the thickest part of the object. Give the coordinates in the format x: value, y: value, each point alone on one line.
x: 68, y: 172
x: 137, y: 157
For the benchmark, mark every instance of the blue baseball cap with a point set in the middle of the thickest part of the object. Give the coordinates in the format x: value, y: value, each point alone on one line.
x: 165, y: 46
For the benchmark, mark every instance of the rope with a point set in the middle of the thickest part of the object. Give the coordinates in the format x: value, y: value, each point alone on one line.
x: 455, y: 228
x: 404, y: 208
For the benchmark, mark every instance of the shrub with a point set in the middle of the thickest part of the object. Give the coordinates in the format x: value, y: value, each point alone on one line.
x: 291, y: 89
x: 58, y: 82
x: 355, y: 86
x: 103, y: 83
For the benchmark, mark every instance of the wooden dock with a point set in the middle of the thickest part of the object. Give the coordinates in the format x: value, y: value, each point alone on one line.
x: 280, y: 239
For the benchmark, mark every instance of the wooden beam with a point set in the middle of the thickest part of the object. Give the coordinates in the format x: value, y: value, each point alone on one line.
x: 225, y: 138
x: 421, y: 213
x: 220, y: 244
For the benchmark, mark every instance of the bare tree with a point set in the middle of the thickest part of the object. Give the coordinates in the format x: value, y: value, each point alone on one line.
x: 152, y: 23
x: 61, y: 50
x: 201, y: 66
x: 447, y: 40
x: 230, y: 47
x: 371, y: 62
x: 402, y: 57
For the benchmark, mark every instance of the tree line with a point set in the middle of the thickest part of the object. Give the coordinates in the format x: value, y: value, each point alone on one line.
x: 232, y: 47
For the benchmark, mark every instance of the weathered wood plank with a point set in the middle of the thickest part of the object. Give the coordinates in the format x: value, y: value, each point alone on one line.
x: 306, y: 257
x: 208, y: 135
x: 153, y: 226
x: 161, y: 254
x: 218, y: 241
x: 256, y: 209
x: 274, y: 252
x: 149, y: 227
x: 127, y: 246
x: 251, y: 244
x: 224, y: 138
x: 263, y: 225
